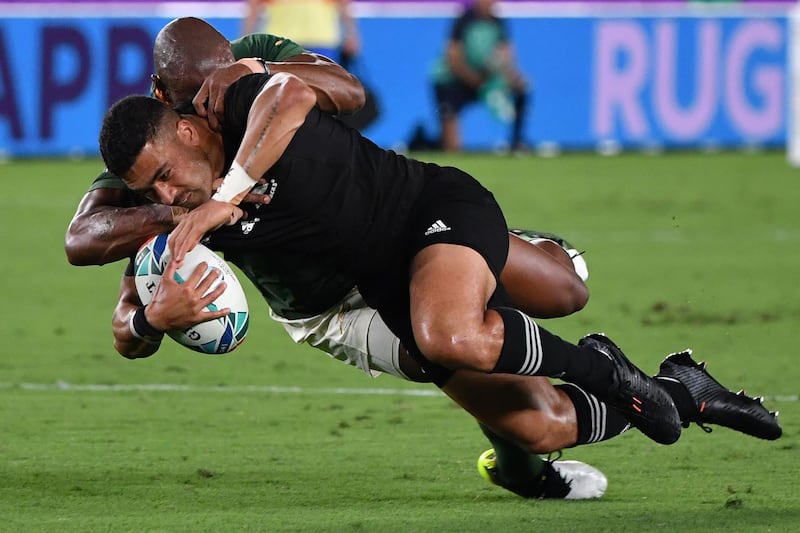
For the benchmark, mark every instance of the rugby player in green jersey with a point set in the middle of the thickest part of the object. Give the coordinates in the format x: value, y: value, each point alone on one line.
x: 522, y: 384
x: 111, y: 223
x: 177, y: 159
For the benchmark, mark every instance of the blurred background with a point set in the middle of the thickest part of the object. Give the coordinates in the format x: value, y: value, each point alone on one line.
x: 698, y: 247
x: 607, y: 76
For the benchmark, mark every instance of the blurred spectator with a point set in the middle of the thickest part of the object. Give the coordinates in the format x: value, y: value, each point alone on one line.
x: 479, y: 66
x: 322, y: 26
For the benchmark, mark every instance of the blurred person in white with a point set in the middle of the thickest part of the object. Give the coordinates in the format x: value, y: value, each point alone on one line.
x: 322, y: 26
x: 478, y: 65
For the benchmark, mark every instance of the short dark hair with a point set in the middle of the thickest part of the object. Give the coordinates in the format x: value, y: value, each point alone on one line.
x: 127, y: 126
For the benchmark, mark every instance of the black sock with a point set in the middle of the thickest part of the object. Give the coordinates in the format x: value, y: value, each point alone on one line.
x: 532, y: 350
x: 517, y: 470
x: 596, y: 422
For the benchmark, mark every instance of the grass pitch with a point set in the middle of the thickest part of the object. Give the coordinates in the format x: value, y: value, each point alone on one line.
x: 684, y: 250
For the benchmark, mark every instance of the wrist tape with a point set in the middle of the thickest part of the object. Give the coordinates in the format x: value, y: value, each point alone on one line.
x: 142, y: 329
x: 235, y: 186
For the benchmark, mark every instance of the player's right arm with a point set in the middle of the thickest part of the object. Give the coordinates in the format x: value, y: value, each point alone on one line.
x: 338, y: 91
x: 107, y: 226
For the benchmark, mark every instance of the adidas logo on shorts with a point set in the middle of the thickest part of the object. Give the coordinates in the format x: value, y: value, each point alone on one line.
x: 437, y: 227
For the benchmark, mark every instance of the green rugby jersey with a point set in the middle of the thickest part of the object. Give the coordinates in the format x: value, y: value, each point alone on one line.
x: 265, y: 46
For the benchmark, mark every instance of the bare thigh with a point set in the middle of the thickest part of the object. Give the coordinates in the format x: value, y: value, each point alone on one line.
x: 449, y: 290
x: 541, y: 280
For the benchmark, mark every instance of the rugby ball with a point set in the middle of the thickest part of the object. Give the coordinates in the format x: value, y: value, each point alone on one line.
x: 217, y: 336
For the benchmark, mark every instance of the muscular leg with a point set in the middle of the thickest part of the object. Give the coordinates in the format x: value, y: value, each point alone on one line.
x: 541, y: 280
x: 450, y: 289
x: 450, y: 286
x: 521, y: 415
x: 529, y: 410
x: 526, y: 410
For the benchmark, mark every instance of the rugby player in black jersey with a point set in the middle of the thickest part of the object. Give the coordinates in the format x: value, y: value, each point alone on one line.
x: 324, y: 310
x: 688, y: 417
x: 367, y: 212
x: 426, y: 244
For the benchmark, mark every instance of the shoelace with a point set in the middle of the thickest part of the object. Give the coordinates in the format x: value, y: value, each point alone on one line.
x: 550, y: 461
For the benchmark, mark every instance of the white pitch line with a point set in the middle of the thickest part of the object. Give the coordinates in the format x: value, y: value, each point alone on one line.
x: 174, y: 387
x: 257, y: 389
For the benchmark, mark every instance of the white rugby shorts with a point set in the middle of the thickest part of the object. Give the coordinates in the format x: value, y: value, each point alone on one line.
x: 351, y: 332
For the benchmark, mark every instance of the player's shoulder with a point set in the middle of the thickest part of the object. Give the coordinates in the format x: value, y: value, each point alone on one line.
x: 109, y: 189
x: 107, y: 180
x: 266, y: 46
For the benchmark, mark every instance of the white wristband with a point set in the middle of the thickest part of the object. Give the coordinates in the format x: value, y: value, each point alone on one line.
x: 235, y: 186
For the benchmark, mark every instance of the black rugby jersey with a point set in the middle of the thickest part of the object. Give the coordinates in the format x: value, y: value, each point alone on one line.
x: 335, y: 194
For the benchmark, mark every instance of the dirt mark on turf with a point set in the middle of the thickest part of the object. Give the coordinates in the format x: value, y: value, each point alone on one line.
x: 664, y: 313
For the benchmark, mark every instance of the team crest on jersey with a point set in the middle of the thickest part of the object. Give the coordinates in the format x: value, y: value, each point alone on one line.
x: 248, y: 225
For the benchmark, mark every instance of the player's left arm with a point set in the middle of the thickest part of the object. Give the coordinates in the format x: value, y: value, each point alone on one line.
x: 128, y: 344
x: 139, y: 329
x: 504, y: 58
x: 252, y: 14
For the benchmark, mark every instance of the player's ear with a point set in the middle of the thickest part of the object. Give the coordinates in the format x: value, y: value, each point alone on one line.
x: 158, y: 89
x: 187, y: 132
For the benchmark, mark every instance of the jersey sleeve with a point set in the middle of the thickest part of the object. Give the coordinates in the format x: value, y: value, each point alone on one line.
x: 107, y: 180
x: 266, y: 46
x: 238, y: 100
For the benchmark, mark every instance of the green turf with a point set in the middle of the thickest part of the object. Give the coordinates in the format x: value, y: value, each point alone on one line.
x: 684, y: 250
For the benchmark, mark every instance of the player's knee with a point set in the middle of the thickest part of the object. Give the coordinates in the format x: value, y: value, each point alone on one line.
x: 453, y: 349
x: 574, y: 297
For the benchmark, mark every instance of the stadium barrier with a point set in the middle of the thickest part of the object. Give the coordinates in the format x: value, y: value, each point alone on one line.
x: 614, y: 76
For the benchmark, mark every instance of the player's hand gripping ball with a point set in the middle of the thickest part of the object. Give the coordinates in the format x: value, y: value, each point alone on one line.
x: 218, y: 336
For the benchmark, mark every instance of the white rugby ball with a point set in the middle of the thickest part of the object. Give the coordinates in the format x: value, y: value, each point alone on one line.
x: 217, y: 336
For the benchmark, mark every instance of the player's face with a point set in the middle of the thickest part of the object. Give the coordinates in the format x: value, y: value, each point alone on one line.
x: 172, y: 172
